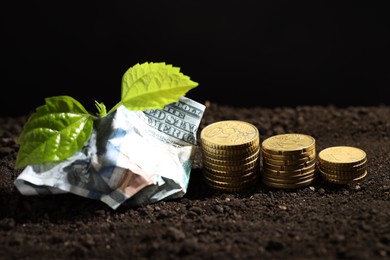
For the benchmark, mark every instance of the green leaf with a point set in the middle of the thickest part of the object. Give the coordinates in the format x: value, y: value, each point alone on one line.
x: 153, y: 85
x: 54, y: 132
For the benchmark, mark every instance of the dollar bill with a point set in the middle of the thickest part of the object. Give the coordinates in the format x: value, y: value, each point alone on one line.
x: 136, y: 156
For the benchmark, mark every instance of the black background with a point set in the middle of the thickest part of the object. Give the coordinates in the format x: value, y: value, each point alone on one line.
x: 242, y: 53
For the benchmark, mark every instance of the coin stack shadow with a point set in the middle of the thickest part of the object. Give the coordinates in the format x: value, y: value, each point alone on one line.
x: 230, y: 155
x: 288, y: 161
x: 342, y: 164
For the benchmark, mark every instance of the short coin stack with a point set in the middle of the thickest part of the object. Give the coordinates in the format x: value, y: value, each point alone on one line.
x: 289, y: 161
x: 230, y: 155
x: 342, y: 164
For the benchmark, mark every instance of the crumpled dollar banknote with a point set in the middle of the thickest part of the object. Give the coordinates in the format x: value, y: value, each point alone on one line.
x: 136, y: 156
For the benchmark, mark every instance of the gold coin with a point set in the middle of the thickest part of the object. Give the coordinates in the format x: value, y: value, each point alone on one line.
x: 343, y: 172
x: 288, y: 157
x: 341, y: 156
x: 230, y: 160
x: 291, y: 174
x: 343, y: 181
x: 289, y: 180
x: 339, y: 178
x: 288, y: 144
x: 230, y: 167
x: 231, y: 148
x: 343, y: 167
x: 238, y: 185
x: 228, y: 154
x: 230, y: 179
x: 254, y: 168
x: 289, y: 186
x: 230, y: 189
x: 307, y: 159
x: 288, y: 167
x: 230, y: 185
x: 230, y: 134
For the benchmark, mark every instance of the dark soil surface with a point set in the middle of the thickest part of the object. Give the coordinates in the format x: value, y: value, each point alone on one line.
x: 320, y: 221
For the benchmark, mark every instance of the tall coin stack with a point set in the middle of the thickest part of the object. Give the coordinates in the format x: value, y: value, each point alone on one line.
x: 289, y: 161
x: 230, y: 155
x: 342, y: 164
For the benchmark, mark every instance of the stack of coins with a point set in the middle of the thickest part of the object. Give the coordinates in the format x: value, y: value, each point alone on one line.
x: 230, y: 155
x: 289, y: 161
x: 342, y: 164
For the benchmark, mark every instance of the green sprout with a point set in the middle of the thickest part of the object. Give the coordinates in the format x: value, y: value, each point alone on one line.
x: 60, y: 128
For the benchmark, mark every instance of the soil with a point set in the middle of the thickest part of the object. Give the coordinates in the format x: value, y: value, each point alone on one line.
x: 319, y: 221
